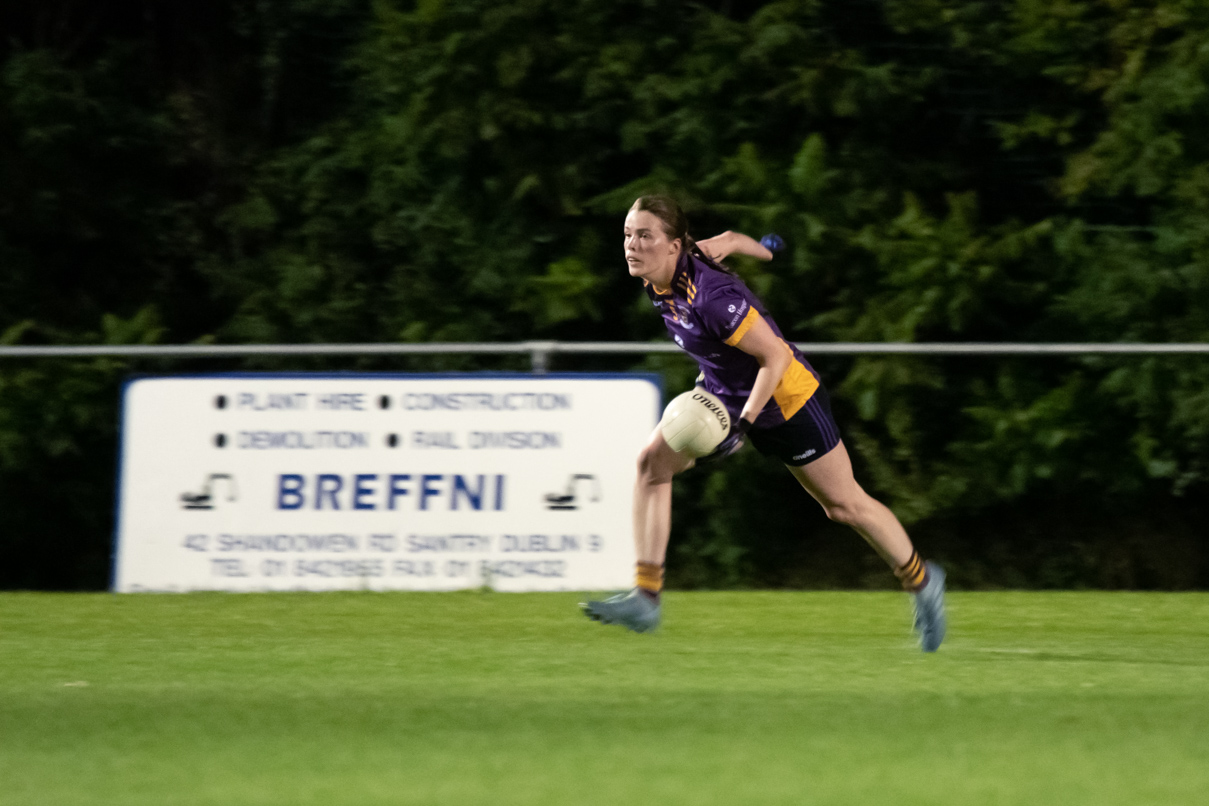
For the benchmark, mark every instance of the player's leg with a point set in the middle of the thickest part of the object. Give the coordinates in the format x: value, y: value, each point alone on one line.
x: 829, y: 479
x: 639, y: 609
x: 657, y: 464
x: 809, y: 444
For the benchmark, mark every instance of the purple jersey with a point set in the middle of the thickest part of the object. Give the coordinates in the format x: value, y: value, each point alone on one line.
x: 707, y: 312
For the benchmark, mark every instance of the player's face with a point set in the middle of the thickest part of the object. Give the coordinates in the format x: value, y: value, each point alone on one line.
x: 649, y: 253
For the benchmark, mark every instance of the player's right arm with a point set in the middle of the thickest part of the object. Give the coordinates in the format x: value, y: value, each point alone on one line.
x: 771, y: 354
x: 733, y: 243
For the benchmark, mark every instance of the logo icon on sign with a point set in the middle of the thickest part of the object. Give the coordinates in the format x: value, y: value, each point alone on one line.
x: 205, y: 499
x: 568, y: 499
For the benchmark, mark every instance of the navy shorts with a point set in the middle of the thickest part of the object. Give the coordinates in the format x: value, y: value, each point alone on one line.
x: 802, y: 438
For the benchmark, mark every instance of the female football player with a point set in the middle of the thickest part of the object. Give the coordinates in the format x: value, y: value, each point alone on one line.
x: 775, y: 400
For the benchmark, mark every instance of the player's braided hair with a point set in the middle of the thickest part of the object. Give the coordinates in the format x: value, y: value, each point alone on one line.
x: 675, y: 225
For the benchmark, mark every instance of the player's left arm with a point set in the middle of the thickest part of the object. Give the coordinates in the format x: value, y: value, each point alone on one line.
x: 733, y: 243
x: 773, y: 356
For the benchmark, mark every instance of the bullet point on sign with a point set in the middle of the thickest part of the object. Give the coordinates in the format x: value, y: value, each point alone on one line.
x: 384, y: 402
x: 392, y: 440
x: 220, y: 440
x: 220, y: 402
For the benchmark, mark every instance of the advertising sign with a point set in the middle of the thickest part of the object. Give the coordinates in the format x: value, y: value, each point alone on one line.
x: 250, y: 482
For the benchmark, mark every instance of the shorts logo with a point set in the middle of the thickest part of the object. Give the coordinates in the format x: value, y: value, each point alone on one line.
x: 730, y: 308
x: 810, y: 452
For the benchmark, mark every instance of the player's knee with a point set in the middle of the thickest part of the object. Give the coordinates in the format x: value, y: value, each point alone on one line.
x: 653, y: 467
x: 849, y: 512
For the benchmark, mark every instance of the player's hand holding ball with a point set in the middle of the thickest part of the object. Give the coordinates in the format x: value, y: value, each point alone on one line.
x: 731, y: 444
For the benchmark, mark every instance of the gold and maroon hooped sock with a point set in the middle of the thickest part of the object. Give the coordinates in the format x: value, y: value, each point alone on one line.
x: 650, y: 579
x: 913, y: 573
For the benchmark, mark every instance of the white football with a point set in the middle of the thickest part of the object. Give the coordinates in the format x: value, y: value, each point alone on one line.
x: 694, y: 423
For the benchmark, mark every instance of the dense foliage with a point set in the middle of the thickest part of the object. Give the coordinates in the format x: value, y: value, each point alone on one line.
x: 943, y: 170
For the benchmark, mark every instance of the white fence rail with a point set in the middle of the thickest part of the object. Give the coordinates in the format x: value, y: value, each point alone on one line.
x: 540, y: 351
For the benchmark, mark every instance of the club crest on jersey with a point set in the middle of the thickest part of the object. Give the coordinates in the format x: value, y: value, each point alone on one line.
x: 680, y: 316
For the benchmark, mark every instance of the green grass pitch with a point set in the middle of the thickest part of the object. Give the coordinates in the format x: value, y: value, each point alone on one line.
x: 481, y: 698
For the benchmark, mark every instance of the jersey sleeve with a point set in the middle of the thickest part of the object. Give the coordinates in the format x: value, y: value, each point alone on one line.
x: 729, y: 313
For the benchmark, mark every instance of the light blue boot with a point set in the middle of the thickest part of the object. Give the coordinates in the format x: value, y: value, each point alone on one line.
x: 930, y: 609
x: 634, y: 611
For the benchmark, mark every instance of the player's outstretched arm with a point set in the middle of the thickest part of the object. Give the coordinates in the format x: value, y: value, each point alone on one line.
x: 733, y: 243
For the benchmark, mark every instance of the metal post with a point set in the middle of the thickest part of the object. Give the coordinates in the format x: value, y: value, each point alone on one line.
x: 539, y: 356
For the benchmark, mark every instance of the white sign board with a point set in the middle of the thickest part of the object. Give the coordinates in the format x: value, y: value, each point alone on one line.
x: 383, y: 482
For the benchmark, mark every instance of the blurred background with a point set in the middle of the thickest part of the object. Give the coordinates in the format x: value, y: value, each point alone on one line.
x: 264, y: 171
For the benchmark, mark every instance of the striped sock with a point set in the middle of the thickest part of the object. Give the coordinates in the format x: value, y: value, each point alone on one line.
x: 913, y: 573
x: 650, y: 579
